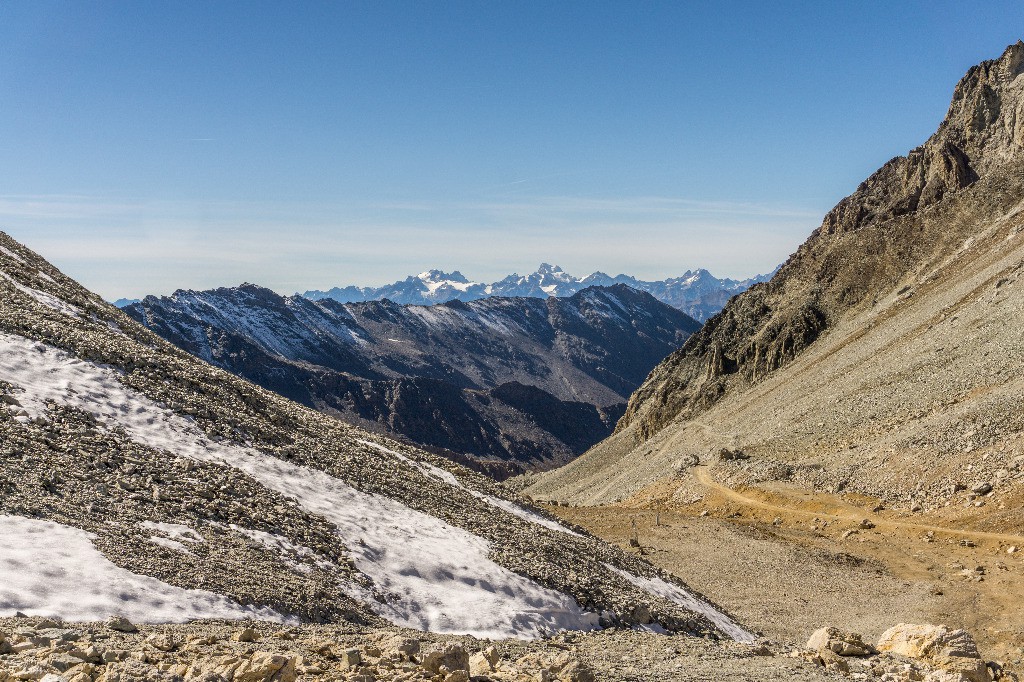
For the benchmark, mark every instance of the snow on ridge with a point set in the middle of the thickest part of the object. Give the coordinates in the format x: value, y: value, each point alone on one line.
x: 171, y: 544
x: 449, y: 478
x: 175, y: 531
x: 48, y: 569
x: 49, y: 300
x: 430, y: 575
x: 678, y: 595
x: 11, y: 254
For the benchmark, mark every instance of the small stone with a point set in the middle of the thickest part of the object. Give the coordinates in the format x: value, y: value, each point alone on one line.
x: 351, y: 658
x: 162, y: 642
x: 120, y: 624
x: 839, y: 642
x: 244, y: 635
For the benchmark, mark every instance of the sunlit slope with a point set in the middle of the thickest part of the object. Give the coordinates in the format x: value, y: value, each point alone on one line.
x: 886, y: 353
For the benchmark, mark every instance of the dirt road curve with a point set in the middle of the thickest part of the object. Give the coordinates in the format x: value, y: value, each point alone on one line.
x: 703, y: 475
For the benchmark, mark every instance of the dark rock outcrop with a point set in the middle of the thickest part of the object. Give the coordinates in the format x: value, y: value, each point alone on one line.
x: 526, y: 381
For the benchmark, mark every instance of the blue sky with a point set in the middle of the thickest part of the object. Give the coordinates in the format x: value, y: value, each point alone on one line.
x: 147, y: 146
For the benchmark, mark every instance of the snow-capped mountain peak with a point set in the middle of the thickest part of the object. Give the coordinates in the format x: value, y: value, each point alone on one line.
x: 442, y: 276
x: 698, y: 293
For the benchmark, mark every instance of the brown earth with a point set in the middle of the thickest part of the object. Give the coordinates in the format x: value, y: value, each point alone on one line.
x: 783, y: 560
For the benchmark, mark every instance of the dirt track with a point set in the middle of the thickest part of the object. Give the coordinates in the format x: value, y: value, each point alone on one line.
x: 786, y: 561
x: 855, y: 514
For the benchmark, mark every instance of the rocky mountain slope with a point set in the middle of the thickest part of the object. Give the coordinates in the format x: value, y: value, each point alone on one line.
x: 519, y: 380
x: 698, y: 293
x: 885, y: 354
x: 139, y: 481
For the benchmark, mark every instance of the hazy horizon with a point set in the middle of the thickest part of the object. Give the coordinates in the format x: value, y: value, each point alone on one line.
x: 154, y: 147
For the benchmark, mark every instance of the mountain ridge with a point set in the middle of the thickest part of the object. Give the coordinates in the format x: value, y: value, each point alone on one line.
x: 482, y: 377
x: 698, y: 293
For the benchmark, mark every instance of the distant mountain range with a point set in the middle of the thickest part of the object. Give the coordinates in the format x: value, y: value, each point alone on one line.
x: 520, y: 380
x: 697, y: 293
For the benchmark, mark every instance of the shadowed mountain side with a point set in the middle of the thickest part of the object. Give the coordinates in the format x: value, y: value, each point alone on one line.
x: 524, y: 381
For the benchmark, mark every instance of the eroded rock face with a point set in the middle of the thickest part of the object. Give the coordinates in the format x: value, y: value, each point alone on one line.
x: 928, y: 641
x: 953, y: 653
x: 865, y: 246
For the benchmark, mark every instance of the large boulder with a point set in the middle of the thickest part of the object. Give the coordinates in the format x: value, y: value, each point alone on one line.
x: 446, y: 658
x: 953, y: 653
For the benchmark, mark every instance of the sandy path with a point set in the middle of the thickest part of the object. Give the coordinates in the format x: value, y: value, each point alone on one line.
x: 703, y: 475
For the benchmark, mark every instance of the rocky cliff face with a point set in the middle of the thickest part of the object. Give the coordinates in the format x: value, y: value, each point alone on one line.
x: 884, y: 356
x: 870, y: 241
x: 526, y: 381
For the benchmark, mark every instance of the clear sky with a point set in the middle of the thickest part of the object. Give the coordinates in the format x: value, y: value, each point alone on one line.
x: 149, y: 146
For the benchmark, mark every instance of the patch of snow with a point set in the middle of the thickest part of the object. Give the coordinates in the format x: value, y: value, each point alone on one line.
x: 430, y: 574
x: 10, y: 253
x: 449, y: 478
x: 171, y: 544
x: 674, y: 593
x: 42, y: 275
x: 49, y: 300
x: 48, y: 569
x: 175, y: 531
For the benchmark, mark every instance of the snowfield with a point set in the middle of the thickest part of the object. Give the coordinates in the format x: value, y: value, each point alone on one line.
x: 449, y: 478
x: 430, y: 575
x: 47, y: 569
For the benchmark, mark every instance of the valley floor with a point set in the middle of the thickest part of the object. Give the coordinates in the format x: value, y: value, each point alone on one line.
x: 786, y: 561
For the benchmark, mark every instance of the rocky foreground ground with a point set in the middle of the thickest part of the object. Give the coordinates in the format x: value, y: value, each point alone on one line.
x: 224, y: 651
